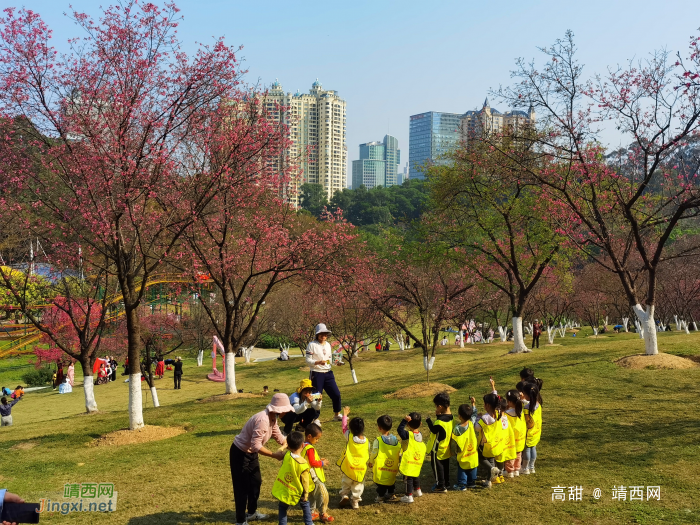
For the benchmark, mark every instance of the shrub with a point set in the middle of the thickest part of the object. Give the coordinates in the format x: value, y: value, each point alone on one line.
x: 273, y: 341
x: 38, y: 377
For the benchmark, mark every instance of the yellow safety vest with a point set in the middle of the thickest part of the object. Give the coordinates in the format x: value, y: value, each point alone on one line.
x: 508, y: 441
x: 353, y: 462
x: 386, y: 464
x: 534, y: 433
x: 319, y: 471
x: 413, y: 457
x: 493, y: 434
x: 519, y: 430
x: 468, y: 456
x: 287, y: 487
x: 443, y: 448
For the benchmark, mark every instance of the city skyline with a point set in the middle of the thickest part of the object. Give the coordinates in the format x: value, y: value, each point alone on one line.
x: 447, y: 61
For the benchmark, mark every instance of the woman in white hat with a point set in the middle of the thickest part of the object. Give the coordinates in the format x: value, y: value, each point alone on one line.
x: 319, y: 356
x: 243, y: 456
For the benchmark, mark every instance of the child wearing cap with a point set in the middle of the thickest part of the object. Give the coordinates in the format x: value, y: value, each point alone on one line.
x: 307, y: 407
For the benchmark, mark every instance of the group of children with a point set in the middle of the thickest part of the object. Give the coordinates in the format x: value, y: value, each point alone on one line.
x: 502, y: 441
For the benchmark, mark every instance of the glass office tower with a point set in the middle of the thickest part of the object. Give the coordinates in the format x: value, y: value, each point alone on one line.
x: 431, y: 136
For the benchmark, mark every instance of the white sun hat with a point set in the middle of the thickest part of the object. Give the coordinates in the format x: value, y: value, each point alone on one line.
x: 321, y: 329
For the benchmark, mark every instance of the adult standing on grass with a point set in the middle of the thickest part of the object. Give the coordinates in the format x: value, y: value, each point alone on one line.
x: 177, y: 365
x: 243, y: 456
x: 537, y: 328
x: 6, y: 411
x: 318, y: 357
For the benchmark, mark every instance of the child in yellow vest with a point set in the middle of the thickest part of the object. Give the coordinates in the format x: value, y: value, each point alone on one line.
x: 384, y: 460
x: 508, y: 454
x: 465, y: 447
x: 319, y: 496
x: 514, y: 413
x: 533, y: 421
x: 293, y: 482
x: 489, y: 435
x: 439, y: 442
x: 353, y: 463
x: 412, y: 455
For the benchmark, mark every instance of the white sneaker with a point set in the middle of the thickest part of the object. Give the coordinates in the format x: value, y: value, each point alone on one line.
x: 355, y: 504
x: 510, y: 475
x: 317, y: 422
x: 379, y: 500
x: 337, y: 418
x: 418, y: 493
x: 532, y: 470
x: 257, y: 515
x: 407, y: 499
x: 525, y: 472
x: 495, y: 472
x: 517, y: 473
x: 486, y: 483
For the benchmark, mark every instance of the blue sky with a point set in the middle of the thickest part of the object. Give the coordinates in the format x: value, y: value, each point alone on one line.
x: 393, y: 59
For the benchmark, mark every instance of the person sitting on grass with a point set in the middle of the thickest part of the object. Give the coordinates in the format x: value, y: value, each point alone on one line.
x: 293, y: 482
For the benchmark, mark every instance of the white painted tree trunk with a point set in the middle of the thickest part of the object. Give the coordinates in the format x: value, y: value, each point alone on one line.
x: 519, y: 345
x: 640, y: 330
x: 606, y: 322
x: 660, y: 328
x: 200, y: 358
x: 503, y: 333
x: 89, y: 391
x: 247, y: 351
x: 595, y: 330
x: 562, y: 329
x: 135, y: 402
x: 625, y: 322
x: 400, y: 341
x: 551, y: 334
x: 685, y: 327
x: 154, y: 395
x: 646, y: 320
x: 529, y: 328
x: 354, y: 376
x: 230, y: 361
x: 695, y: 326
x: 461, y: 339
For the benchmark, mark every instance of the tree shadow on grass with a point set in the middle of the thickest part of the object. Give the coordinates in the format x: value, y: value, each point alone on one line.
x: 214, y: 433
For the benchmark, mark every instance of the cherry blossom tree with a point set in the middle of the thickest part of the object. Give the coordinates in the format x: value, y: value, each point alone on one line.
x: 417, y: 287
x: 628, y: 202
x: 484, y: 206
x: 114, y: 140
x: 251, y: 247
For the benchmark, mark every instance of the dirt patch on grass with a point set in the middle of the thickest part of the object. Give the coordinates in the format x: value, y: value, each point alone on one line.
x: 420, y: 390
x: 133, y: 437
x: 27, y: 445
x: 552, y: 344
x: 656, y: 362
x: 229, y: 397
x: 598, y: 336
x: 304, y: 368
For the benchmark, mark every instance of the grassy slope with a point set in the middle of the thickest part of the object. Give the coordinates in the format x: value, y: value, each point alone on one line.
x: 603, y: 426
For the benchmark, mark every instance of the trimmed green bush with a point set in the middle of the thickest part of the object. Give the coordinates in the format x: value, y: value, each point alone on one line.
x: 38, y: 377
x: 273, y: 341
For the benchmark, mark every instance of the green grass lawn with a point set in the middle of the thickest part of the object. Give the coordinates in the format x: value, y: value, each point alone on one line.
x: 604, y: 426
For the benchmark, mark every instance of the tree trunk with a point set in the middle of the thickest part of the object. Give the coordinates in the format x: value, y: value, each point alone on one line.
x: 646, y: 320
x: 519, y: 345
x: 230, y: 373
x: 625, y: 321
x: 89, y: 391
x: 135, y: 399
x: 551, y: 333
x: 154, y: 394
x: 200, y: 358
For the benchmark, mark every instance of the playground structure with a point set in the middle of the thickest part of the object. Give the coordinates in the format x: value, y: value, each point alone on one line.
x: 31, y: 334
x: 215, y: 374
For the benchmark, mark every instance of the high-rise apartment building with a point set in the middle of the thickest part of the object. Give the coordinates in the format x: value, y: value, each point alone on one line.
x: 316, y: 122
x: 488, y: 120
x: 377, y: 164
x: 431, y: 135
